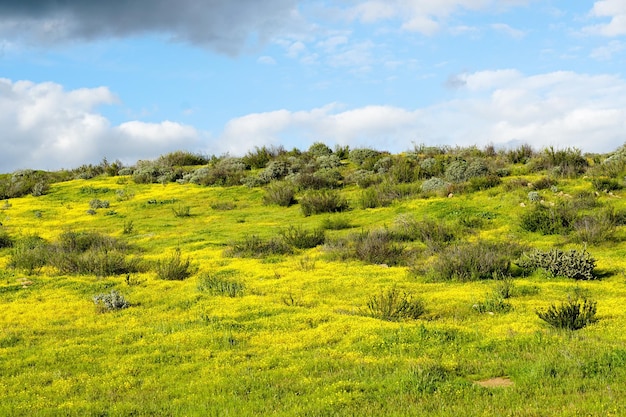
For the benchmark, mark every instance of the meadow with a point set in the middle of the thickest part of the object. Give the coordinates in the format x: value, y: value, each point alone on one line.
x: 317, y: 283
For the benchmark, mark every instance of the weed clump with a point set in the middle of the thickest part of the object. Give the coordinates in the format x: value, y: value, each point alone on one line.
x: 570, y: 264
x: 174, y: 268
x: 280, y: 193
x: 474, y: 261
x: 255, y: 247
x: 303, y: 239
x: 570, y: 315
x: 323, y: 201
x: 220, y: 284
x: 393, y: 305
x: 110, y: 302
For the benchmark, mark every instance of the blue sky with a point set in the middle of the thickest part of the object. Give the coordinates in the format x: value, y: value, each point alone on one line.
x: 134, y: 79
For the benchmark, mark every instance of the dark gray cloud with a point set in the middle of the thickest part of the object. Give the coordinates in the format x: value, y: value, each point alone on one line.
x: 222, y: 25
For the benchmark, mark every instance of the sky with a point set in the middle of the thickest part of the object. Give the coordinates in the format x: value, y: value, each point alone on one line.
x: 83, y: 80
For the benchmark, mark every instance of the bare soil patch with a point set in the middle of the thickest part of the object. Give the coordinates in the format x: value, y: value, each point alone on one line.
x: 500, y: 382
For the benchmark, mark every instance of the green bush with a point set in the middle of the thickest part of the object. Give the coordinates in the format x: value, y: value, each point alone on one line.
x: 90, y: 253
x: 5, y: 240
x: 30, y: 253
x: 174, y: 267
x: 474, y: 261
x: 483, y: 183
x: 596, y: 228
x: 280, y: 193
x: 221, y: 284
x: 336, y: 223
x: 181, y: 211
x: 571, y: 315
x: 570, y: 264
x: 110, y: 302
x: 493, y: 305
x: 254, y: 247
x: 455, y: 171
x: 434, y: 234
x: 378, y: 247
x: 322, y: 201
x: 392, y: 305
x: 548, y: 220
x: 520, y: 155
x: 606, y: 184
x: 303, y: 239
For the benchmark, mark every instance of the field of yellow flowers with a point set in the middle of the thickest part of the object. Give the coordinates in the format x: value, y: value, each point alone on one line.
x: 298, y: 332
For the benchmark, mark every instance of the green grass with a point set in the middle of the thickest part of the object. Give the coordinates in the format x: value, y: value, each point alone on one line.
x: 284, y: 333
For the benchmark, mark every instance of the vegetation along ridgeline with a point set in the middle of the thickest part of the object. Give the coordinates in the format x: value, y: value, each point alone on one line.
x: 327, y: 282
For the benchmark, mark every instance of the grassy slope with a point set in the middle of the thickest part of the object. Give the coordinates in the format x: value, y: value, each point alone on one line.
x: 295, y: 343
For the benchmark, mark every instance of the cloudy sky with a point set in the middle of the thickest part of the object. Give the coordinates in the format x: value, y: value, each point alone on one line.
x: 132, y: 79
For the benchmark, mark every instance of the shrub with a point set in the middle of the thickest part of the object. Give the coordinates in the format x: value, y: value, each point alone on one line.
x: 378, y: 247
x: 260, y: 157
x: 544, y: 183
x: 98, y: 204
x: 30, y: 253
x: 392, y: 305
x: 181, y: 211
x: 182, y: 158
x: 606, y: 184
x: 110, y: 302
x: 571, y: 315
x: 336, y: 223
x: 455, y: 172
x: 520, y: 155
x: 302, y: 238
x: 434, y: 184
x: 474, y: 261
x: 570, y: 264
x: 90, y: 253
x: 319, y: 149
x: 435, y: 235
x: 483, y: 183
x: 254, y: 247
x: 493, y: 305
x: 5, y: 239
x: 220, y: 284
x: 174, y: 267
x: 365, y: 158
x: 323, y: 201
x: 596, y: 228
x: 280, y: 193
x: 548, y: 220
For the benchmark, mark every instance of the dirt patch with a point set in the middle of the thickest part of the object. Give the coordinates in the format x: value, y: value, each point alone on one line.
x: 499, y: 382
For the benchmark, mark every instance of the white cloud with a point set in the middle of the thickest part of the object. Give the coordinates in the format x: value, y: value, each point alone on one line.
x: 423, y: 16
x: 500, y: 107
x: 46, y: 127
x: 613, y: 9
x: 606, y: 52
x: 266, y: 60
x: 508, y: 30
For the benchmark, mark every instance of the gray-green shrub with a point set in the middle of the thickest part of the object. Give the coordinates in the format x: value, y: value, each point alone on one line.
x: 570, y: 264
x: 110, y: 301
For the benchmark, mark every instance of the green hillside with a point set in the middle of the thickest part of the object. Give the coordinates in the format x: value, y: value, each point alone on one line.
x: 326, y: 282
